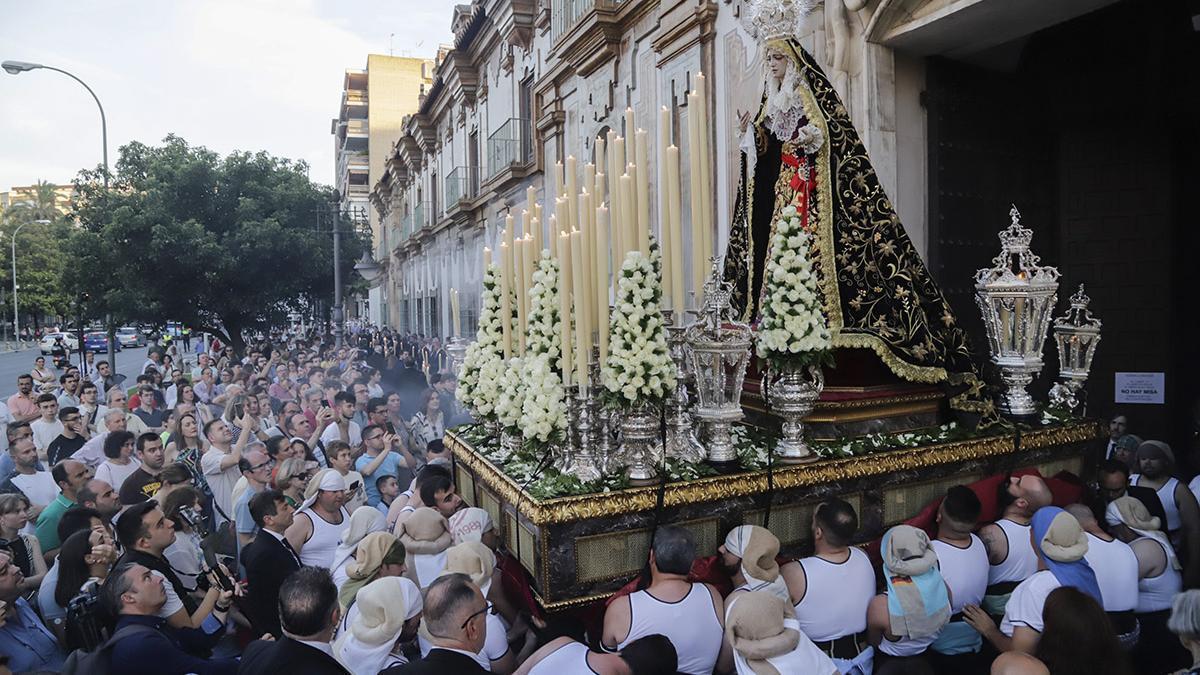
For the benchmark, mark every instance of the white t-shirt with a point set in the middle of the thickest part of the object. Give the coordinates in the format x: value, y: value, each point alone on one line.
x: 115, y: 474
x: 44, y: 433
x: 354, y: 498
x: 1027, y: 601
x: 333, y: 433
x: 39, y: 487
x: 221, y: 482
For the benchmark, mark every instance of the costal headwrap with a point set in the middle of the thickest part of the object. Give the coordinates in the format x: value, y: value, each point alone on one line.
x: 918, y: 602
x: 379, y: 615
x: 426, y: 536
x: 1155, y: 450
x: 757, y: 627
x: 364, y: 521
x: 374, y: 551
x: 757, y: 548
x: 328, y: 480
x: 1132, y: 513
x: 1063, y: 543
x: 469, y: 524
x: 473, y: 559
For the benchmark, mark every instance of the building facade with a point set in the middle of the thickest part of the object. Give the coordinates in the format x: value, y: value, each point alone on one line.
x: 375, y: 100
x: 28, y: 194
x: 965, y: 107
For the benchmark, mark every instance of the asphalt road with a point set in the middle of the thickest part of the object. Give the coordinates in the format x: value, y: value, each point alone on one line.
x: 12, y: 364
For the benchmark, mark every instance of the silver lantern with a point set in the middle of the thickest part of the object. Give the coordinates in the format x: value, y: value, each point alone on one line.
x: 1016, y: 297
x: 1077, y: 333
x: 456, y: 349
x: 720, y: 349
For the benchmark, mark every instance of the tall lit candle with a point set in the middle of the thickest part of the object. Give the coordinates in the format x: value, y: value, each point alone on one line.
x: 587, y: 233
x: 454, y: 312
x: 564, y: 305
x: 582, y: 330
x: 706, y: 163
x: 643, y: 191
x: 664, y: 213
x: 506, y: 299
x: 602, y: 281
x: 599, y: 158
x: 674, y: 215
x: 521, y: 293
x: 557, y: 180
x: 616, y: 162
x: 697, y: 211
x: 572, y: 195
x: 487, y: 258
x: 628, y: 213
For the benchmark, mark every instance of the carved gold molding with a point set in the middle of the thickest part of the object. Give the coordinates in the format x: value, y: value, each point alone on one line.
x: 716, y: 488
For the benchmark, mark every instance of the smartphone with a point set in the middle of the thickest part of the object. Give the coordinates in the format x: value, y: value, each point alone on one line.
x: 223, y: 579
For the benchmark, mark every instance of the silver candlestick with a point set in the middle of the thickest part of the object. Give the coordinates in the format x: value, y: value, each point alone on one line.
x: 639, y: 438
x: 682, y: 443
x: 601, y: 431
x: 582, y: 463
x: 456, y: 349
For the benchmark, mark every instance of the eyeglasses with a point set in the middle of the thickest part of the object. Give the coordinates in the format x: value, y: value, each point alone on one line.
x: 464, y: 624
x: 376, y: 436
x: 267, y: 463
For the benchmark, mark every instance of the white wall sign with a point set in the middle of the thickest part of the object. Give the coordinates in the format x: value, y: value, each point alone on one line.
x: 1140, y: 387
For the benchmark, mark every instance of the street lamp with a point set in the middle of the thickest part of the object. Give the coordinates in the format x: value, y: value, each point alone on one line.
x: 16, y: 315
x: 16, y: 68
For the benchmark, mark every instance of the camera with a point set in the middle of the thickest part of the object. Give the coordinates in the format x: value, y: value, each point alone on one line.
x: 87, y: 624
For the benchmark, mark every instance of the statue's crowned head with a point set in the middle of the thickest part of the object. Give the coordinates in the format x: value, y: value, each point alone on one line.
x: 770, y: 20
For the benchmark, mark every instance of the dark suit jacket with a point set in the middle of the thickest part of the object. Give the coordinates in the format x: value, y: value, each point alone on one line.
x: 287, y: 657
x: 267, y: 564
x: 1150, y: 499
x: 439, y: 662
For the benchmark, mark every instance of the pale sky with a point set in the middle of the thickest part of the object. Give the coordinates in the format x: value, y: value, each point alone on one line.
x: 226, y: 74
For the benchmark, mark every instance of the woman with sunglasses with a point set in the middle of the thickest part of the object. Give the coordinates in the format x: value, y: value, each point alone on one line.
x: 291, y: 478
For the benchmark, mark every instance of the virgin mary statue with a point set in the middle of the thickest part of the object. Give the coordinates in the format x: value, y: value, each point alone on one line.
x: 802, y: 150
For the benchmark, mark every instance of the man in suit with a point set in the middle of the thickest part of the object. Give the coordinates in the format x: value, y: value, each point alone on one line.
x: 455, y: 620
x: 268, y: 560
x: 309, y: 614
x: 1113, y: 483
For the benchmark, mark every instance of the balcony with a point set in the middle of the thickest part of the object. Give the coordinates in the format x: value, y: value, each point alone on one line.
x: 564, y: 14
x: 511, y: 145
x: 462, y: 184
x: 353, y: 135
x: 414, y: 221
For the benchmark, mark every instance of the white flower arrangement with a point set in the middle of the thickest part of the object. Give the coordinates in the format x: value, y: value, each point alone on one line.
x: 483, y: 365
x: 639, y: 370
x: 544, y: 410
x: 512, y: 394
x: 793, y: 332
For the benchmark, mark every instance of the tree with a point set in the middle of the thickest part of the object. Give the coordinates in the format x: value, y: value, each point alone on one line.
x: 225, y: 245
x: 41, y: 254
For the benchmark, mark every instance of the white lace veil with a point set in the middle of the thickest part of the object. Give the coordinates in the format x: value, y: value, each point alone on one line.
x: 785, y: 108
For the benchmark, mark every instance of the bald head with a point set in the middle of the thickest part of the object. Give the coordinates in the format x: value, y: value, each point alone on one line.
x: 1018, y: 663
x: 1087, y: 519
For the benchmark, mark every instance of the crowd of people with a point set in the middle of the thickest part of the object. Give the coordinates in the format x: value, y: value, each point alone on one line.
x: 297, y: 508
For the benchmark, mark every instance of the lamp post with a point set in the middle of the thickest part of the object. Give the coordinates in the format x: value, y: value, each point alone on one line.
x: 16, y: 68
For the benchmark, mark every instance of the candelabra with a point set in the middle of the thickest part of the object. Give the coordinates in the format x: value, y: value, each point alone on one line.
x: 581, y: 462
x: 720, y: 349
x: 1077, y: 334
x: 682, y: 443
x: 1016, y: 297
x: 600, y: 422
x: 456, y: 349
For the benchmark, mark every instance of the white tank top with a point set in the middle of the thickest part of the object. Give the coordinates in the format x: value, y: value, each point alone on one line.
x: 965, y: 571
x: 691, y: 624
x: 322, y: 544
x: 569, y: 659
x: 1166, y: 495
x: 906, y: 646
x: 1116, y: 569
x: 1156, y: 593
x: 1021, y: 561
x: 836, y: 596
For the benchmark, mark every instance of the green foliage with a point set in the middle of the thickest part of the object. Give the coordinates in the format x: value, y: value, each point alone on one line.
x: 41, y: 256
x: 224, y: 244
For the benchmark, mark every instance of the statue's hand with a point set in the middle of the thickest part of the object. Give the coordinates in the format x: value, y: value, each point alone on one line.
x: 743, y: 121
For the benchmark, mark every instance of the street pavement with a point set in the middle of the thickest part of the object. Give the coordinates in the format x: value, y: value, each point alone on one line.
x: 12, y: 364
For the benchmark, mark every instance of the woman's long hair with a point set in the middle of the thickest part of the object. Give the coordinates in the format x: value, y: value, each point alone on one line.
x: 1077, y: 638
x: 73, y: 569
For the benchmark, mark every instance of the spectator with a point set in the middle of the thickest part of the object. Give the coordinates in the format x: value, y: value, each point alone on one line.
x: 345, y: 428
x: 118, y: 401
x: 341, y: 459
x: 47, y: 426
x: 24, y: 639
x: 308, y: 613
x: 383, y: 455
x: 1118, y: 426
x: 145, y: 482
x: 291, y: 479
x: 318, y: 525
x: 89, y: 407
x: 137, y: 597
x: 268, y: 560
x: 38, y: 487
x: 363, y: 521
x: 379, y: 555
x: 1061, y: 544
x: 84, y: 562
x: 963, y: 561
x: 765, y: 637
x: 120, y: 464
x: 454, y: 618
x: 905, y: 620
x: 70, y: 439
x: 1113, y: 479
x: 650, y: 655
x: 92, y: 451
x: 426, y: 537
x: 74, y: 520
x: 148, y: 410
x: 145, y: 532
x: 69, y: 382
x: 220, y: 464
x: 388, y: 489
x: 14, y: 431
x: 1011, y: 555
x: 477, y: 562
x: 70, y: 476
x: 386, y: 613
x: 428, y: 424
x: 99, y: 495
x: 832, y: 588
x: 173, y: 477
x: 1185, y: 623
x: 22, y: 407
x: 1125, y: 451
x: 691, y: 615
x: 25, y: 549
x: 256, y: 469
x: 1076, y: 637
x: 182, y: 508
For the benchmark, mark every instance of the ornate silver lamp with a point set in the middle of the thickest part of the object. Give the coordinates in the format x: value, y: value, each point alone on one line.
x: 1077, y: 333
x: 720, y: 349
x: 456, y: 349
x: 1016, y: 297
x: 682, y: 442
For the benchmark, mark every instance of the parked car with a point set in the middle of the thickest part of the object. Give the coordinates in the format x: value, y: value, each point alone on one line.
x: 47, y: 344
x: 97, y: 341
x: 128, y: 336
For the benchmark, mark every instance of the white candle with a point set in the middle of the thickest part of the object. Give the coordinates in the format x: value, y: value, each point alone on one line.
x: 506, y: 299
x: 706, y: 164
x: 674, y: 209
x: 664, y: 213
x: 642, y: 184
x: 602, y: 280
x: 582, y: 330
x: 697, y: 211
x: 572, y: 193
x: 564, y: 305
x: 454, y: 312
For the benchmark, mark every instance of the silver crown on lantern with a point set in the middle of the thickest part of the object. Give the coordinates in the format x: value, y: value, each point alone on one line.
x: 772, y: 19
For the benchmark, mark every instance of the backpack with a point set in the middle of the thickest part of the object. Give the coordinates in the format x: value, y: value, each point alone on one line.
x: 99, y: 660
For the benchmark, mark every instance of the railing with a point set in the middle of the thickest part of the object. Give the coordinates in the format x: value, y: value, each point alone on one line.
x: 510, y: 144
x: 461, y: 183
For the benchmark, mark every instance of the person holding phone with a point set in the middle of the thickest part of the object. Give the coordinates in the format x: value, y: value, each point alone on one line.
x: 341, y: 459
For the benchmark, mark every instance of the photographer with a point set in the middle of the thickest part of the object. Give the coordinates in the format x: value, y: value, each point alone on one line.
x: 182, y: 508
x: 84, y: 562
